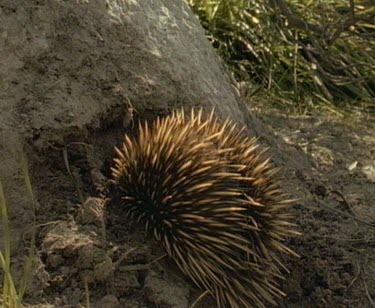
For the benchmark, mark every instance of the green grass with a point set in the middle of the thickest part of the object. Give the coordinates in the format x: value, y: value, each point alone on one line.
x: 306, y: 52
x: 11, y: 297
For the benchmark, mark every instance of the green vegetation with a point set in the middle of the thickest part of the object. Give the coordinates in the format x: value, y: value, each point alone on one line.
x: 303, y: 52
x: 10, y: 297
x: 9, y: 294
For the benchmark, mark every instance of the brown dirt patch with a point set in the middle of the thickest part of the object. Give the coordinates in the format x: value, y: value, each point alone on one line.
x: 121, y: 265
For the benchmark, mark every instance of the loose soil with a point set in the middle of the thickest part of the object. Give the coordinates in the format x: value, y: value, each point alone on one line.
x: 91, y: 252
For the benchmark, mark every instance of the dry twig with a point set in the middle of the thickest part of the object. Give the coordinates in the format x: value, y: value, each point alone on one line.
x: 345, y: 214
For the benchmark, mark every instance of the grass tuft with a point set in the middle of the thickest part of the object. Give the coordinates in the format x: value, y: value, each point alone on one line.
x: 308, y: 52
x: 10, y: 297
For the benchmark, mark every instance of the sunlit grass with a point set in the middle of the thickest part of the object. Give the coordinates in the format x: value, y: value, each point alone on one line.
x: 307, y: 52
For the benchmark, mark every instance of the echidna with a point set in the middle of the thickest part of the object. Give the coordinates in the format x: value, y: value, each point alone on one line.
x: 200, y: 187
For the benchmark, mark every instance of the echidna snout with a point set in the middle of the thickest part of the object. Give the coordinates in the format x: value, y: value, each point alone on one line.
x: 205, y: 193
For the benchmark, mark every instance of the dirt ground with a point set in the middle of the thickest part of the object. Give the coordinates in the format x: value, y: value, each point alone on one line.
x: 336, y: 212
x: 92, y: 254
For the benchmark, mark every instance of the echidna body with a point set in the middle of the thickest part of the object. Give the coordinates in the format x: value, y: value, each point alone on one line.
x: 200, y: 187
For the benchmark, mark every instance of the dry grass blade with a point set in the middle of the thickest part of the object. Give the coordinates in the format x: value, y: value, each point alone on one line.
x: 366, y: 289
x: 347, y: 215
x: 67, y: 165
x: 87, y: 292
x: 200, y: 297
x: 29, y: 259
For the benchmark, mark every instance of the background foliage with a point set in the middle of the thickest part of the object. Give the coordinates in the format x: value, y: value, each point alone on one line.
x: 306, y: 51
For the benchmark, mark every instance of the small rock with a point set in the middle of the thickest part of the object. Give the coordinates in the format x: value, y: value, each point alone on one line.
x: 104, y: 270
x: 125, y: 282
x: 369, y: 172
x: 108, y: 301
x: 166, y: 291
